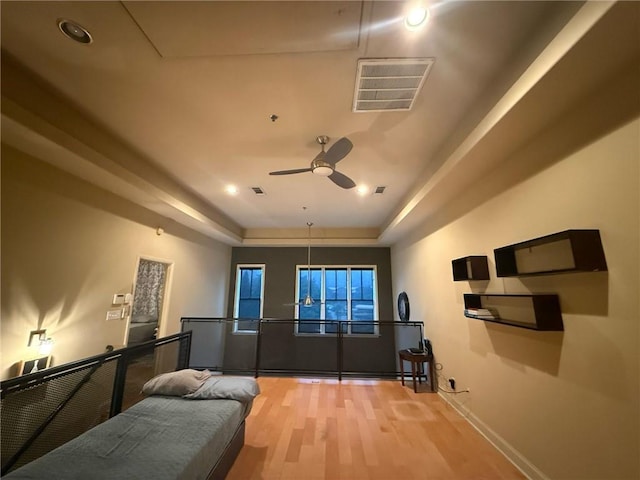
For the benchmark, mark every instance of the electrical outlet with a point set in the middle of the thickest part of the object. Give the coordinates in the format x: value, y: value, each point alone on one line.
x: 452, y: 383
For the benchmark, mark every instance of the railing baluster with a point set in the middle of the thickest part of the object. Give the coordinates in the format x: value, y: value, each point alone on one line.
x: 340, y: 346
x: 258, y: 345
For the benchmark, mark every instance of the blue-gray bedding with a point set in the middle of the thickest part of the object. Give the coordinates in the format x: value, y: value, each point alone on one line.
x: 158, y: 438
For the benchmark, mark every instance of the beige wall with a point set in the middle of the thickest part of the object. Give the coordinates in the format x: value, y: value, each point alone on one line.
x: 67, y: 247
x: 561, y: 404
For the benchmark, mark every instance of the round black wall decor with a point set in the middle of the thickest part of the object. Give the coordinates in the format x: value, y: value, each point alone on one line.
x: 403, y: 307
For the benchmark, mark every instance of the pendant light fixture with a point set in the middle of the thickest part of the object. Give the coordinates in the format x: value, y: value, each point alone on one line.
x: 308, y: 301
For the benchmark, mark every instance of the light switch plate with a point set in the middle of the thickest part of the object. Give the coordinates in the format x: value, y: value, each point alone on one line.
x: 114, y: 314
x: 118, y: 299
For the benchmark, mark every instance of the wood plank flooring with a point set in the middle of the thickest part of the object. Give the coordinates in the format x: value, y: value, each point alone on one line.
x: 303, y: 429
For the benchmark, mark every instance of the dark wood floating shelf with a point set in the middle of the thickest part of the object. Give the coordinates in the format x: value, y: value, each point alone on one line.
x: 562, y: 252
x: 535, y: 311
x: 474, y: 267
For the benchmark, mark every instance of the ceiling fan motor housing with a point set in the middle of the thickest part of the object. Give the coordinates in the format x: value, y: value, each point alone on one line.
x: 320, y: 167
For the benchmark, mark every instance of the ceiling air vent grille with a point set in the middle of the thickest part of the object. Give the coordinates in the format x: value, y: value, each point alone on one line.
x: 384, y: 85
x: 257, y: 190
x: 379, y: 190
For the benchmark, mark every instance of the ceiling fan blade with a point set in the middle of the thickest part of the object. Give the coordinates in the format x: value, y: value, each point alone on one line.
x: 289, y: 172
x: 338, y: 151
x: 341, y: 180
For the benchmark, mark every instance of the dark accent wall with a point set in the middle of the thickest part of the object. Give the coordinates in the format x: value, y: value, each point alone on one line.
x: 371, y: 355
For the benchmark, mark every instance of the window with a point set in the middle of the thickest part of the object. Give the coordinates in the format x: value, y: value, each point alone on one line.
x: 338, y: 293
x: 249, y: 297
x: 362, y: 299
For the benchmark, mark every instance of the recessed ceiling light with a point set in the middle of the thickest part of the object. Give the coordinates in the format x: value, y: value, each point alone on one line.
x: 74, y: 31
x: 231, y: 189
x: 416, y: 18
x: 362, y: 190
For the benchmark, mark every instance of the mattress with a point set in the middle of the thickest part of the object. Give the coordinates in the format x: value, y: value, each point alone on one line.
x: 160, y: 438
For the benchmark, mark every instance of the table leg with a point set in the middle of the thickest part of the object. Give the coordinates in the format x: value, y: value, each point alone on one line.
x: 413, y: 376
x: 401, y: 370
x: 432, y: 376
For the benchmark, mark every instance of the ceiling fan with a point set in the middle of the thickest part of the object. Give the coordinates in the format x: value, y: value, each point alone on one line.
x: 325, y: 162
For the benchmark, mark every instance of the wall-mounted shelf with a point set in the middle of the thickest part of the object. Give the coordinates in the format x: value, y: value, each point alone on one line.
x: 474, y: 267
x: 562, y: 252
x: 535, y: 311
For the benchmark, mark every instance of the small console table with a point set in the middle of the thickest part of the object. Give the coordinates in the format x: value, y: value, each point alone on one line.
x: 418, y: 360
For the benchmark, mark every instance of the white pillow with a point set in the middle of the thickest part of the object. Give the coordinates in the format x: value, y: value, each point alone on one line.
x: 243, y: 389
x: 177, y: 383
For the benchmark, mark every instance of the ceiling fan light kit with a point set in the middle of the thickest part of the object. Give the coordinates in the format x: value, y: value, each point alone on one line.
x: 324, y: 164
x: 322, y: 170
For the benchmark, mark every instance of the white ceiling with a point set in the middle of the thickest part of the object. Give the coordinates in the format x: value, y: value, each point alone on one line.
x: 171, y: 103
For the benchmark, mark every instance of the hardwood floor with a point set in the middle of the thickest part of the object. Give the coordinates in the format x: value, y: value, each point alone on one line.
x: 361, y: 429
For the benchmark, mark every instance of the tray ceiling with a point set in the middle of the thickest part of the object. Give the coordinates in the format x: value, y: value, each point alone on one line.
x: 174, y: 101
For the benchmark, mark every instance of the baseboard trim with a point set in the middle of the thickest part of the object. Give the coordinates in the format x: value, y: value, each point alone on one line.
x: 510, y: 453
